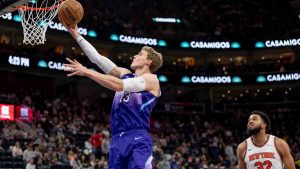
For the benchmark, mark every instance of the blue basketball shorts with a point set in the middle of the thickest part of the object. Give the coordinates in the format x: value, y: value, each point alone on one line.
x: 131, y: 150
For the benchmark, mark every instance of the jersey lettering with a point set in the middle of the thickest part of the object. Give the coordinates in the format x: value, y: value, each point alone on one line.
x: 261, y: 155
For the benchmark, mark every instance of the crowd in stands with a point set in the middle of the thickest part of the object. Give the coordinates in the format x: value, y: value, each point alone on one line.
x: 68, y: 133
x: 200, y: 19
x: 231, y: 68
x: 171, y: 67
x: 63, y: 133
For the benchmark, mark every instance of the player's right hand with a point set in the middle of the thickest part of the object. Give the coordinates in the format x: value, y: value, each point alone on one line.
x: 73, y: 29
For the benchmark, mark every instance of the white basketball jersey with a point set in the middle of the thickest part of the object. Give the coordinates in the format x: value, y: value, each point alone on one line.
x: 264, y: 157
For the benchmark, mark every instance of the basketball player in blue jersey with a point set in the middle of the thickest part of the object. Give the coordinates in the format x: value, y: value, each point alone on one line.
x: 136, y: 95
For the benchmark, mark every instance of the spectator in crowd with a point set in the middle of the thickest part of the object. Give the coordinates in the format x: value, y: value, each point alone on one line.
x: 193, y: 141
x: 62, y: 155
x: 17, y: 150
x: 37, y: 153
x: 165, y: 163
x: 30, y: 164
x: 102, y: 163
x: 28, y: 153
x: 84, y: 161
x: 96, y: 142
x: 229, y: 152
x: 73, y: 160
x: 105, y: 144
x: 1, y: 146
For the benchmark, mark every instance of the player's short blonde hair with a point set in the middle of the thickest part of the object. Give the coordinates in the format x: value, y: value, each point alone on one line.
x: 155, y: 57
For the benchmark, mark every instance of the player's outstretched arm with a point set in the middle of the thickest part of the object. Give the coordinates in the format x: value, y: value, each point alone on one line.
x: 102, y: 62
x: 147, y: 82
x: 240, y: 155
x: 285, y: 154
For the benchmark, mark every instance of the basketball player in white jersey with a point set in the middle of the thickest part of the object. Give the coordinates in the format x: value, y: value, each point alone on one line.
x: 262, y: 150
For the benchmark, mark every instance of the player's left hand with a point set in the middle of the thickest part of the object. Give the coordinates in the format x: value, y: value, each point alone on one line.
x: 75, y: 67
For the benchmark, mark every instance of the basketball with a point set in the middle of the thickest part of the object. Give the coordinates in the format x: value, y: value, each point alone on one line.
x: 70, y: 12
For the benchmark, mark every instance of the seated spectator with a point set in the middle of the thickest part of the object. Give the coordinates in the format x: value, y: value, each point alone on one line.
x: 46, y: 159
x: 102, y: 163
x: 37, y: 152
x: 105, y: 144
x: 6, y: 132
x: 96, y: 142
x: 84, y: 161
x: 229, y: 152
x: 165, y: 163
x: 1, y: 146
x: 28, y: 153
x: 62, y: 155
x: 17, y: 150
x: 30, y: 164
x: 73, y: 160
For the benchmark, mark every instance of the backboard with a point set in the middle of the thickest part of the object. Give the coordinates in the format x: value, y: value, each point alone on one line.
x: 7, y: 6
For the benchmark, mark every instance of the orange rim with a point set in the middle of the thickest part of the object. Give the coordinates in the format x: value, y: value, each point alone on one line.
x: 26, y: 8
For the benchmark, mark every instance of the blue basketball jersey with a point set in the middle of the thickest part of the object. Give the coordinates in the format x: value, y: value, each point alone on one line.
x: 131, y: 110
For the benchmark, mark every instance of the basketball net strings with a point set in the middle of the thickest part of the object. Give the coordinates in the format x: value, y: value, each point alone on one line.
x: 35, y: 21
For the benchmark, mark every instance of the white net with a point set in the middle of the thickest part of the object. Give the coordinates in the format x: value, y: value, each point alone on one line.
x: 36, y: 17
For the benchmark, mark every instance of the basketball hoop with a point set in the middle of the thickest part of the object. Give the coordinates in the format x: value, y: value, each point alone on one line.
x: 36, y: 16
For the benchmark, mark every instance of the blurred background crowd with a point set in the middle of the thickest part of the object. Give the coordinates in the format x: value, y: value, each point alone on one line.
x: 68, y: 133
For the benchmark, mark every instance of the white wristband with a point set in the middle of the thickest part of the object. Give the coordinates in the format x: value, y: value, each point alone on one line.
x: 102, y: 62
x: 136, y: 84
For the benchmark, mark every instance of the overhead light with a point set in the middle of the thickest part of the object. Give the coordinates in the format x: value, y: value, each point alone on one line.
x: 17, y: 18
x: 259, y: 45
x: 42, y: 64
x: 162, y: 43
x: 236, y: 79
x: 92, y: 33
x: 235, y: 45
x: 184, y: 44
x: 185, y: 79
x: 114, y: 37
x: 163, y: 78
x: 261, y: 79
